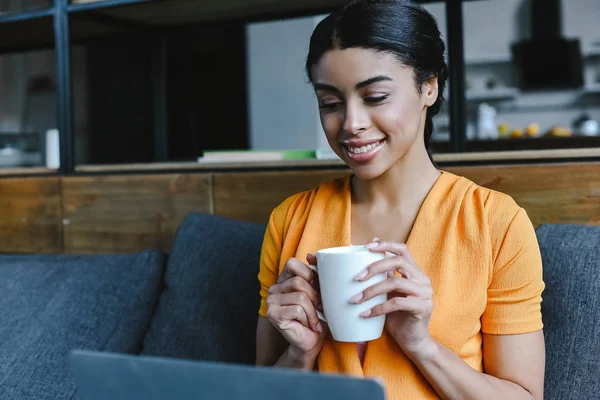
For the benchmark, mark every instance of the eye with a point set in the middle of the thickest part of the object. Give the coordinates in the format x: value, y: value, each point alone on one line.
x: 376, y: 99
x: 329, y: 104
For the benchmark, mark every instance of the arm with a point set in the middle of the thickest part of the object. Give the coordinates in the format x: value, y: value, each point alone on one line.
x: 290, y: 335
x: 273, y: 350
x: 514, y: 366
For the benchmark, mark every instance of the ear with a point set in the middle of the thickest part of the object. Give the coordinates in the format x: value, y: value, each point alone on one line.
x: 430, y: 91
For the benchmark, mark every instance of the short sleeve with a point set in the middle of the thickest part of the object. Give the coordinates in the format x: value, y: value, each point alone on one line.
x: 269, y: 262
x: 514, y: 293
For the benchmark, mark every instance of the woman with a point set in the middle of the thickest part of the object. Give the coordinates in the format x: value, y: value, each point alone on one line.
x: 464, y: 288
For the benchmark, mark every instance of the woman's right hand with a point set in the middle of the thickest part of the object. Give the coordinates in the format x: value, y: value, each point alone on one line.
x: 292, y: 304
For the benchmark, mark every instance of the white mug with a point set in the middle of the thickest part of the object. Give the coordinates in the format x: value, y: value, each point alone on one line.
x: 337, y: 267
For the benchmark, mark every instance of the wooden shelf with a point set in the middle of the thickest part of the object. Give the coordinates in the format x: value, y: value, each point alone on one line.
x: 520, y: 144
x: 7, y: 172
x: 449, y: 158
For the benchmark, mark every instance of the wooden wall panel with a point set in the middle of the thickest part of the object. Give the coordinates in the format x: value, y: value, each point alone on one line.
x: 559, y: 193
x: 30, y: 215
x: 251, y: 196
x: 127, y: 213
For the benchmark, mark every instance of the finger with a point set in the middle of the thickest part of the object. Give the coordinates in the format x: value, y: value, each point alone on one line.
x: 301, y: 299
x: 294, y: 267
x: 391, y: 264
x: 418, y: 308
x: 281, y: 315
x: 392, y: 247
x: 395, y: 285
x: 311, y: 258
x: 296, y: 284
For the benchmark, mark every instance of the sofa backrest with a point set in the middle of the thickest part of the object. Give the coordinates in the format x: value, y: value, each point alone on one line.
x: 571, y: 310
x: 209, y: 306
x: 50, y: 305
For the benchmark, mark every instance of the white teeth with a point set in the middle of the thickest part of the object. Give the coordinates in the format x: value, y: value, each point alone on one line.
x: 363, y: 149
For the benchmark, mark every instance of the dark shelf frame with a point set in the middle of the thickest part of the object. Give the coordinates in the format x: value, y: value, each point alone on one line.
x: 99, y: 5
x: 26, y: 15
x: 62, y: 10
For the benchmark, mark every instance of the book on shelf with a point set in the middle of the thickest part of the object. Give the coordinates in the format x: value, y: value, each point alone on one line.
x: 216, y: 156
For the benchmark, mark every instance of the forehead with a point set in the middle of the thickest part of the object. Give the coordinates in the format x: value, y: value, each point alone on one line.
x: 354, y: 65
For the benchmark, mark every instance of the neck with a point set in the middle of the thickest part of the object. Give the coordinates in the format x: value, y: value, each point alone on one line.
x: 406, y: 183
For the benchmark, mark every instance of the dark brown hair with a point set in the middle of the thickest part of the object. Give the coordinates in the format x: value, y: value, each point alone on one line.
x: 399, y: 27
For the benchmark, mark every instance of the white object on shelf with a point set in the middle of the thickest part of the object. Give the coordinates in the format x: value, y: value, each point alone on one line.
x: 52, y: 149
x: 486, y: 122
x: 241, y: 156
x: 11, y: 157
x: 590, y: 128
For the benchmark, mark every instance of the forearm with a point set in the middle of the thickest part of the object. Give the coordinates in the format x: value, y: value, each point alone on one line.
x: 452, y: 378
x: 296, y: 359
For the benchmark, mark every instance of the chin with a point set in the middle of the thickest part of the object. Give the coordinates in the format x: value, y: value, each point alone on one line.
x: 367, y: 172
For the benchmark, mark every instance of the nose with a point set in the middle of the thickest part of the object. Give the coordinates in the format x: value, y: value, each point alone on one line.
x: 356, y: 119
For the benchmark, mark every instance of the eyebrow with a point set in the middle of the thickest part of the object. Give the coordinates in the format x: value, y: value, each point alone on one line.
x: 360, y: 85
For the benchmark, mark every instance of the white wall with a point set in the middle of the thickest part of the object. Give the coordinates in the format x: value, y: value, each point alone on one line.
x: 282, y: 109
x: 491, y: 26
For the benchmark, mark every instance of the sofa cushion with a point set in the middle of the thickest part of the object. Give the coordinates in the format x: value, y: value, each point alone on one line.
x: 50, y: 305
x: 209, y: 305
x: 571, y: 310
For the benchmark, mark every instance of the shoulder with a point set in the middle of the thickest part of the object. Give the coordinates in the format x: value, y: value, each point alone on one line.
x: 496, y: 207
x: 497, y: 213
x: 296, y: 207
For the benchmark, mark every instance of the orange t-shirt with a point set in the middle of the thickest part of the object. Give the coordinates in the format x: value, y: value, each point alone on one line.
x: 477, y: 246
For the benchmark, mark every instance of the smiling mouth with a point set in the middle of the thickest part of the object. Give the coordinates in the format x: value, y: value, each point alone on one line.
x: 363, y: 153
x: 363, y: 149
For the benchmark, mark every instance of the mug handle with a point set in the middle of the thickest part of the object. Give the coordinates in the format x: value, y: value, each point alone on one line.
x: 319, y: 313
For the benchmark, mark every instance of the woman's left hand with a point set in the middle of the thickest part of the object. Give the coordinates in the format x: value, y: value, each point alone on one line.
x: 409, y: 303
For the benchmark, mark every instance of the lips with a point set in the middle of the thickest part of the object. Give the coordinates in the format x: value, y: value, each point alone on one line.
x: 363, y: 151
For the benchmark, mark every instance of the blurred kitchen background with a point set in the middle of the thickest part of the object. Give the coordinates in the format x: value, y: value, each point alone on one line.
x: 134, y: 81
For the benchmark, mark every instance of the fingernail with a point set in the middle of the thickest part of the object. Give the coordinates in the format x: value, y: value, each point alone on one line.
x: 372, y: 245
x: 375, y: 239
x: 365, y: 314
x: 362, y: 275
x: 357, y: 298
x: 319, y: 328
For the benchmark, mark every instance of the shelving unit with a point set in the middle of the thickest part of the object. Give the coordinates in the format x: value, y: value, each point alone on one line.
x: 66, y: 24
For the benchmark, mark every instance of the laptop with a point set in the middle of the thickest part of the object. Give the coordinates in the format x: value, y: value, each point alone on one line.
x: 102, y: 376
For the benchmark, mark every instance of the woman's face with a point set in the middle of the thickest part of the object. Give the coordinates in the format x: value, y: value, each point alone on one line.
x: 369, y: 107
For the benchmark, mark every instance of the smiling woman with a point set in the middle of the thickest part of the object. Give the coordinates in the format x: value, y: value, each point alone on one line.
x: 464, y: 279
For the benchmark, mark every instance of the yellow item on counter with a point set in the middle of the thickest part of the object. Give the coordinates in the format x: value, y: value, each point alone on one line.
x: 516, y: 133
x: 560, y: 131
x: 503, y: 130
x: 532, y: 130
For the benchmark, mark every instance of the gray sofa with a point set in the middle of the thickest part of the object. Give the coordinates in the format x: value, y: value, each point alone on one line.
x: 201, y: 302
